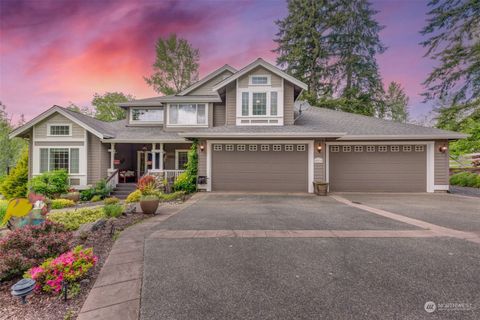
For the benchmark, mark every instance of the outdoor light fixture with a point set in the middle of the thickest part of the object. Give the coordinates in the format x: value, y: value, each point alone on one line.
x: 202, y: 147
x: 319, y: 148
x: 23, y: 288
x: 443, y: 149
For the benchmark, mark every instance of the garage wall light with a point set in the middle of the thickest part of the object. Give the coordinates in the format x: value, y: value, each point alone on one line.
x: 443, y: 149
x: 319, y: 148
x: 202, y: 147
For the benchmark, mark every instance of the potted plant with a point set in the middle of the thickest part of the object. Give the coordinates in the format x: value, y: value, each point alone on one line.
x: 149, y: 203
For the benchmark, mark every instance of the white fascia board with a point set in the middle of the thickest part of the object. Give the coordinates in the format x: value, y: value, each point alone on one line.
x: 266, y: 65
x: 207, y: 78
x: 48, y: 113
x: 262, y: 134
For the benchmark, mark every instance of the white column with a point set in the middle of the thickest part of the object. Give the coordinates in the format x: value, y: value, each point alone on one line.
x: 154, y: 149
x: 161, y: 156
x: 112, y: 155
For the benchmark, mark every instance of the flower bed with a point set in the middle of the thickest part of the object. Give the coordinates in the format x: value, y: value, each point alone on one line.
x: 72, y: 220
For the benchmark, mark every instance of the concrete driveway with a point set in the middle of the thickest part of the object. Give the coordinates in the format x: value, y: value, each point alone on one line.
x: 232, y: 256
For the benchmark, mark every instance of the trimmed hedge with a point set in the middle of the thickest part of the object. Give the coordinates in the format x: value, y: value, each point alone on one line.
x: 62, y: 203
x: 466, y: 179
x: 73, y: 219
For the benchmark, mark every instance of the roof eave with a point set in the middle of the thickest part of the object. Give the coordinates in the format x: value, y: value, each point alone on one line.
x: 406, y: 137
x: 261, y: 134
x: 210, y: 76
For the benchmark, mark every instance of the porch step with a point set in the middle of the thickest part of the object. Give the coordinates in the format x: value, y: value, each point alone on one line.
x: 122, y: 190
x: 128, y: 188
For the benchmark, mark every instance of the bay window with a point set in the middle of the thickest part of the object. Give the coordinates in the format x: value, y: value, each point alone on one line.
x: 60, y: 158
x: 187, y: 114
x: 259, y: 103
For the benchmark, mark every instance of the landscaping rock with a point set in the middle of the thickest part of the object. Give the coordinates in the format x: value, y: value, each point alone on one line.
x: 99, y: 224
x: 131, y: 208
x: 91, y: 227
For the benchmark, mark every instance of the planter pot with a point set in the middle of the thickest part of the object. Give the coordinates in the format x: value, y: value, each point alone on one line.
x: 320, y: 188
x: 149, y: 206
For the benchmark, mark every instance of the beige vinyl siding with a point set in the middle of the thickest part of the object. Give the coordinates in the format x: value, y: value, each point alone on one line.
x: 98, y: 159
x: 41, y: 128
x: 231, y: 103
x: 441, y: 164
x: 319, y: 168
x: 30, y: 154
x: 202, y: 159
x: 206, y: 88
x: 218, y: 115
x: 243, y: 81
x: 288, y: 102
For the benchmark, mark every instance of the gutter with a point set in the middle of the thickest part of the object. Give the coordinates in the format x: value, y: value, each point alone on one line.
x: 452, y: 136
x: 262, y: 135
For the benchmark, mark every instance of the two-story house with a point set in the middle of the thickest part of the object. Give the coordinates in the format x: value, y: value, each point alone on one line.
x: 253, y: 135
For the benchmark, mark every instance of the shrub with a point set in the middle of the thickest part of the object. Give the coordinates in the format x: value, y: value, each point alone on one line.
x: 73, y: 219
x: 96, y: 198
x: 111, y: 200
x: 100, y: 191
x: 50, y: 184
x: 31, y: 245
x: 71, y: 267
x: 62, y: 203
x: 171, y: 196
x: 113, y: 210
x: 147, y: 185
x: 15, y: 184
x: 149, y: 197
x: 3, y: 209
x: 466, y: 179
x: 187, y: 181
x: 134, y: 196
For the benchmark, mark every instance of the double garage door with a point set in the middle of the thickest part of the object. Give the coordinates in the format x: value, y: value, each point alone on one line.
x: 378, y: 168
x: 260, y: 167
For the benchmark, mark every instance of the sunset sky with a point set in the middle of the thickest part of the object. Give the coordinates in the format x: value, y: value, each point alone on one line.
x: 56, y: 52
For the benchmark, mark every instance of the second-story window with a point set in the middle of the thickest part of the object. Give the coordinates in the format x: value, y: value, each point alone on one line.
x: 59, y: 130
x: 147, y: 115
x: 259, y: 80
x: 188, y: 114
x: 259, y: 104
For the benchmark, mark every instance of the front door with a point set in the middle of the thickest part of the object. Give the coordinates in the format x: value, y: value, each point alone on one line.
x: 144, y: 161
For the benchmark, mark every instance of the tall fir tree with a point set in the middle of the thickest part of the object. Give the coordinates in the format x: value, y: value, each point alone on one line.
x: 395, y: 102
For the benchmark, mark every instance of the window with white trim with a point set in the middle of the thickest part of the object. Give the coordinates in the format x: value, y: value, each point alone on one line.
x: 347, y: 149
x: 181, y: 159
x: 143, y: 115
x: 335, y: 148
x: 419, y: 148
x: 259, y: 103
x: 277, y: 147
x: 382, y: 148
x: 407, y: 148
x: 358, y: 148
x: 265, y: 147
x: 252, y: 147
x: 187, y: 114
x: 229, y: 147
x: 289, y: 147
x: 59, y: 130
x: 370, y: 148
x: 240, y: 147
x: 301, y: 147
x: 244, y: 103
x: 217, y: 147
x: 273, y: 103
x: 60, y: 158
x: 257, y: 80
x: 395, y: 148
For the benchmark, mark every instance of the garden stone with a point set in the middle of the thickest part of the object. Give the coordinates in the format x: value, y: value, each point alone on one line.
x: 99, y: 224
x: 131, y: 208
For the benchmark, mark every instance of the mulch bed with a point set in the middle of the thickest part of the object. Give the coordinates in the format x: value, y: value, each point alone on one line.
x: 44, y: 306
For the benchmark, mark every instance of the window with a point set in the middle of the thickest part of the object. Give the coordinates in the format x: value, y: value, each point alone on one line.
x: 335, y: 148
x: 188, y: 114
x: 60, y: 158
x: 370, y: 148
x: 181, y: 159
x: 407, y: 148
x: 229, y: 147
x: 382, y: 148
x: 252, y: 147
x: 260, y: 80
x: 61, y: 130
x: 241, y: 147
x: 147, y: 115
x: 395, y: 148
x: 217, y: 147
x: 265, y: 147
x: 244, y: 103
x: 301, y: 147
x: 273, y: 103
x: 288, y: 147
x: 347, y: 149
x: 358, y: 148
x: 419, y: 148
x: 259, y: 104
x: 277, y: 147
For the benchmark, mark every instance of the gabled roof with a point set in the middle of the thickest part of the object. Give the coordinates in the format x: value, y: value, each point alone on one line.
x: 207, y: 78
x: 266, y: 65
x: 157, y: 101
x: 99, y: 128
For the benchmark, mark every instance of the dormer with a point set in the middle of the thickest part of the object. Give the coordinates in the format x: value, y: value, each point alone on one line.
x: 260, y: 95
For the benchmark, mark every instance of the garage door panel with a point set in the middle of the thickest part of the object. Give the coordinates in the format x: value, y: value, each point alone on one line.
x: 264, y: 171
x: 377, y: 171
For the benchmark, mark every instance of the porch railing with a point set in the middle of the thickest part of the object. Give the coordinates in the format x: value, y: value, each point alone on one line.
x: 169, y: 174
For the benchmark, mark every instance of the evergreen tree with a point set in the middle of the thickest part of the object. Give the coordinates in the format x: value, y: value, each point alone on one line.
x: 106, y: 108
x: 15, y: 184
x: 10, y: 148
x: 395, y: 102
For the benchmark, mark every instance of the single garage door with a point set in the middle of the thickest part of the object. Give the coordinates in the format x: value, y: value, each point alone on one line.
x: 260, y: 167
x: 378, y: 168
